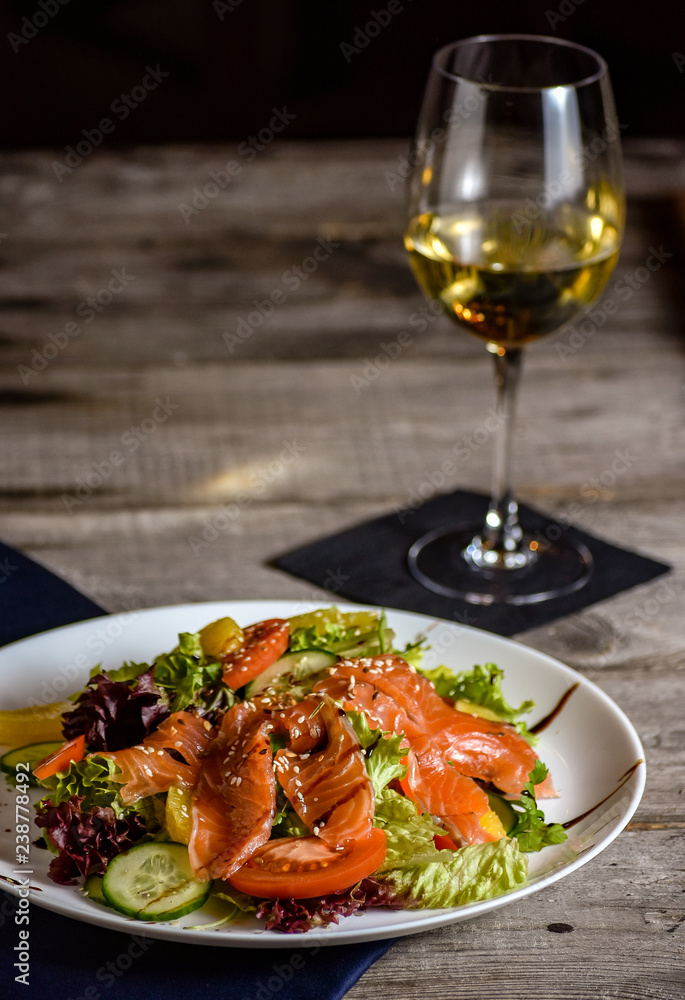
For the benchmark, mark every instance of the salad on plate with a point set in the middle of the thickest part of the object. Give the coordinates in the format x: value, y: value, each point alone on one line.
x: 298, y: 769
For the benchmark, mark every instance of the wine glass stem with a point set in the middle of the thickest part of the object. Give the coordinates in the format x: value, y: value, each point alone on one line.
x: 502, y: 532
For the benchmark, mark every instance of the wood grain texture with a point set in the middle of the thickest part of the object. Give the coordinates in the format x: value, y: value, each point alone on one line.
x: 184, y: 391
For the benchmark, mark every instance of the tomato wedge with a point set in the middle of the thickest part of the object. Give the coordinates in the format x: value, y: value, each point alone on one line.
x: 304, y: 867
x: 61, y: 759
x: 263, y: 643
x: 444, y: 843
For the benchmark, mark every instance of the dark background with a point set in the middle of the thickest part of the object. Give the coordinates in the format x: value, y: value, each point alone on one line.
x: 230, y: 63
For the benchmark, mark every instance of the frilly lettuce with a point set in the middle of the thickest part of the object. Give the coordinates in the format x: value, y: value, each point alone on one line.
x: 468, y: 875
x: 91, y: 781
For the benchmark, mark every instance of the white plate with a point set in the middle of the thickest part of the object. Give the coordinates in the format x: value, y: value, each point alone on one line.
x: 591, y: 749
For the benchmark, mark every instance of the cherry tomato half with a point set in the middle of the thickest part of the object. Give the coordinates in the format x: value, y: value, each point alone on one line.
x: 304, y: 867
x: 263, y: 643
x: 61, y: 759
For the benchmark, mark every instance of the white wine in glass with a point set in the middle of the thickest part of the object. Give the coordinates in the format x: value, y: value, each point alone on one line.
x: 515, y: 222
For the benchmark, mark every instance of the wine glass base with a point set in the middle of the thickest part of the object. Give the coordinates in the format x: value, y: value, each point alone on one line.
x: 438, y: 561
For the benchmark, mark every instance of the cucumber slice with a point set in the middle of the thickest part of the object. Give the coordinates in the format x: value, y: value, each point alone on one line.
x: 31, y: 754
x: 92, y: 888
x: 507, y: 813
x: 300, y: 665
x: 153, y: 881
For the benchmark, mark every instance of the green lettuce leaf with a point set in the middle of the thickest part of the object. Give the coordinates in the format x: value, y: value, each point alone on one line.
x: 468, y: 875
x: 409, y: 833
x: 341, y: 640
x: 243, y: 902
x: 531, y: 830
x: 312, y: 637
x: 382, y: 751
x: 127, y: 672
x: 483, y: 686
x: 185, y: 672
x: 91, y: 780
x: 413, y: 653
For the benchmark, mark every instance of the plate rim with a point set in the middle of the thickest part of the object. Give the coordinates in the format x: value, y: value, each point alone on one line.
x: 424, y: 919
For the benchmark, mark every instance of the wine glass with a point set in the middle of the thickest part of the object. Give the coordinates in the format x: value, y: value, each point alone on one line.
x: 516, y: 214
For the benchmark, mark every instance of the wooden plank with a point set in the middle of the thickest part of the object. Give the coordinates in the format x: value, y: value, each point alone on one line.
x: 312, y: 424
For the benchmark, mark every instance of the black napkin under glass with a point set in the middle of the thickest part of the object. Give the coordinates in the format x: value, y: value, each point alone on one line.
x: 368, y: 563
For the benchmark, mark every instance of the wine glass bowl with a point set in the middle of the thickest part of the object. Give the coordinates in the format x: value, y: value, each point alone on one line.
x: 515, y: 219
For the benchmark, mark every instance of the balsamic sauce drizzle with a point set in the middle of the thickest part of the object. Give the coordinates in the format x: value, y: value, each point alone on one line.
x: 543, y: 723
x: 621, y: 782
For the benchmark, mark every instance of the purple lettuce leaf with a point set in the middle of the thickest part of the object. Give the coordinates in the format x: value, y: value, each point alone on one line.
x: 86, y: 840
x: 296, y: 916
x: 114, y: 715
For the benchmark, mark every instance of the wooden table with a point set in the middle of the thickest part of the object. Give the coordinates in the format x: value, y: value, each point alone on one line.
x: 206, y: 369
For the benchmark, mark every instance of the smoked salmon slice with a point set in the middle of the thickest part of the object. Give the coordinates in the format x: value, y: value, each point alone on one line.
x: 449, y: 749
x: 329, y: 788
x: 170, y: 755
x: 263, y: 643
x: 381, y: 711
x: 491, y: 751
x: 234, y: 800
x: 300, y: 723
x: 439, y: 789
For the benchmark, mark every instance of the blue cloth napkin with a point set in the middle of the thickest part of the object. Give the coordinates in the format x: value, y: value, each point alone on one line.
x: 71, y: 960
